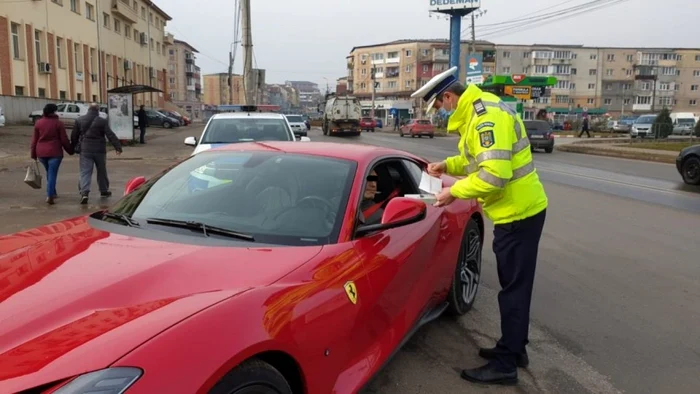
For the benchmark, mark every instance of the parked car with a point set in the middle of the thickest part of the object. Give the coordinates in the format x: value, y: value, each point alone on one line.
x: 68, y: 113
x: 541, y: 135
x: 379, y: 123
x: 2, y: 117
x: 688, y: 164
x: 367, y: 124
x: 175, y: 115
x: 265, y: 283
x: 157, y: 118
x: 642, y: 127
x: 307, y: 122
x: 417, y: 128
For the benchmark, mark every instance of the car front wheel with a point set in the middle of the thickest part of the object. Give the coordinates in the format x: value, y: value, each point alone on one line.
x: 252, y: 377
x: 691, y: 171
x: 467, y: 275
x: 167, y: 125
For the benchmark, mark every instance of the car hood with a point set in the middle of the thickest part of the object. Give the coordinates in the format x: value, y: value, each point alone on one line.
x: 74, y: 298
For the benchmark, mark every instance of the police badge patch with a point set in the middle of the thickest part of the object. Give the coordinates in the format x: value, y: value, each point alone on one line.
x: 479, y: 107
x: 486, y: 139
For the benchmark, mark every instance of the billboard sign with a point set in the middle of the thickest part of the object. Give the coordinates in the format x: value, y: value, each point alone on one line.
x: 541, y: 91
x: 475, y: 68
x: 449, y: 5
x: 521, y: 92
x: 120, y: 114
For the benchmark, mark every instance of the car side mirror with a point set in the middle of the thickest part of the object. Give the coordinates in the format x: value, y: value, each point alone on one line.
x: 191, y: 141
x: 304, y: 139
x: 133, y: 184
x: 401, y: 211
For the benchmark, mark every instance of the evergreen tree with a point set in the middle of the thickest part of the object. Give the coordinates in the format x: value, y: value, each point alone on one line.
x: 663, y: 125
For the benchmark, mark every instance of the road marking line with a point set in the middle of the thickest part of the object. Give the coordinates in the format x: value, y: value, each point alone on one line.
x: 676, y: 192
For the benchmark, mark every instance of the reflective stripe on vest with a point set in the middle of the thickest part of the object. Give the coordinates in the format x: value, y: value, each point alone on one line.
x: 518, y: 173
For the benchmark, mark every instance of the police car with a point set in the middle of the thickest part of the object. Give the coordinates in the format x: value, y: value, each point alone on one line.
x: 248, y: 125
x: 245, y: 126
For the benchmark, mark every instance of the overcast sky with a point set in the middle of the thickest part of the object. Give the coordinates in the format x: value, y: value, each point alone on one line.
x: 309, y: 39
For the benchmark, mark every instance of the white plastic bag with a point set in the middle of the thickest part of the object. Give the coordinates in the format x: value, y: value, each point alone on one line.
x: 33, y: 177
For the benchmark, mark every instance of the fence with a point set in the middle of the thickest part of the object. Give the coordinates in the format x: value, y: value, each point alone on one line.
x: 17, y: 109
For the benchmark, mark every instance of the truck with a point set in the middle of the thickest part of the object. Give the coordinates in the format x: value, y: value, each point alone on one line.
x: 683, y: 123
x: 341, y: 115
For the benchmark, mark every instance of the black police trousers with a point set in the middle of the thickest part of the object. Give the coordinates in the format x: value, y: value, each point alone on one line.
x: 515, y: 245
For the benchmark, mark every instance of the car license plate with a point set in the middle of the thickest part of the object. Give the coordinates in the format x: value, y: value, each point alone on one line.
x: 536, y: 136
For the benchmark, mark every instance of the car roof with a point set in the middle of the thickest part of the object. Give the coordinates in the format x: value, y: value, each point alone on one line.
x: 256, y: 115
x: 352, y: 152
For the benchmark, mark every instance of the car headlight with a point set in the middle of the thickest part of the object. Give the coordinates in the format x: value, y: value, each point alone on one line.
x: 106, y: 381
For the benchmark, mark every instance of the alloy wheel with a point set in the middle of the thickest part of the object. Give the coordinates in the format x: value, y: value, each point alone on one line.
x: 470, y: 267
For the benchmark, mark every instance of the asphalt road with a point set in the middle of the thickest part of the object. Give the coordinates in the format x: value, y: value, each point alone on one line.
x: 616, y: 303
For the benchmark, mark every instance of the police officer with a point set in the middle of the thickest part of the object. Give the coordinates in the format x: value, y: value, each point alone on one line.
x: 496, y: 162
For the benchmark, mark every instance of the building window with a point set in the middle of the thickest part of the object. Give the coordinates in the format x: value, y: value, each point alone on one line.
x: 426, y: 68
x: 609, y: 72
x: 391, y: 85
x: 541, y: 70
x: 15, y: 41
x: 59, y: 52
x: 694, y: 87
x: 593, y: 71
x: 607, y: 101
x: 572, y: 86
x: 408, y: 68
x: 117, y: 26
x: 629, y: 72
x: 643, y: 100
x: 76, y: 54
x: 42, y: 92
x: 105, y: 20
x: 611, y: 58
x: 627, y: 101
x: 665, y: 101
x: 608, y: 86
x: 127, y: 31
x: 409, y: 53
x: 630, y: 58
x: 664, y: 86
x: 136, y: 36
x: 89, y: 14
x: 594, y: 57
x: 143, y: 13
x: 74, y: 6
x: 409, y: 84
x: 506, y: 70
x: 563, y: 85
x: 79, y: 97
x: 19, y: 90
x: 591, y: 86
x: 562, y: 99
x: 693, y: 102
x: 62, y: 94
x: 590, y: 101
x: 37, y: 45
x: 562, y: 69
x: 506, y: 55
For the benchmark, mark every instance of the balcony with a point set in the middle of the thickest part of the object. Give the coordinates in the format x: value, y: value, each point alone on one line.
x: 440, y: 56
x: 393, y: 60
x: 124, y: 11
x: 641, y: 107
x: 189, y: 60
x: 351, y: 63
x: 191, y: 87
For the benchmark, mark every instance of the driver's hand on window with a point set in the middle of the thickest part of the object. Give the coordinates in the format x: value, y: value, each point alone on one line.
x: 437, y: 169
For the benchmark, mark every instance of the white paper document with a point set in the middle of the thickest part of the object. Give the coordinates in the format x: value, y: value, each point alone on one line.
x: 430, y: 184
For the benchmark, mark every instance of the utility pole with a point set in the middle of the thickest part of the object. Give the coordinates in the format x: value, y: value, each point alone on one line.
x: 374, y: 91
x: 473, y: 49
x: 150, y: 52
x: 99, y: 56
x: 248, y: 82
x: 230, y: 77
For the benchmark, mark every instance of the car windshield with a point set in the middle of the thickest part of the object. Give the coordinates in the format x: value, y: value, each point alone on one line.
x: 686, y: 121
x: 537, y: 126
x: 228, y: 131
x: 366, y: 119
x: 423, y: 121
x: 277, y: 198
x: 647, y: 119
x: 295, y: 119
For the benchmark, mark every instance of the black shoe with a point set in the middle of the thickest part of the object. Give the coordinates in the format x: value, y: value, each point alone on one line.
x: 106, y: 194
x: 50, y: 200
x: 83, y: 200
x: 488, y: 374
x: 522, y: 360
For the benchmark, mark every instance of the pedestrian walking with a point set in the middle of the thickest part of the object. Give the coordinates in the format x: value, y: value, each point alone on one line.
x: 584, y: 128
x: 48, y: 143
x: 496, y: 162
x: 396, y: 122
x: 143, y: 122
x: 88, y: 139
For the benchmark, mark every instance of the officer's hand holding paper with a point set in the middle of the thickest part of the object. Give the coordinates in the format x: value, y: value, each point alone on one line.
x: 429, y: 187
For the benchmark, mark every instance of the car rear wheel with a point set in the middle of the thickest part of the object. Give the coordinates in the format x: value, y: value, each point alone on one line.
x: 252, y: 377
x: 549, y: 150
x: 691, y: 171
x: 467, y: 275
x: 167, y: 125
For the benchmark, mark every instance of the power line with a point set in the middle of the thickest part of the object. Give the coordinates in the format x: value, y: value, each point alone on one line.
x: 520, y: 18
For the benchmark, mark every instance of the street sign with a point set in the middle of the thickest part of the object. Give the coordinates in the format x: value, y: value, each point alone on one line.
x: 521, y: 92
x: 450, y: 5
x: 475, y: 68
x: 517, y: 78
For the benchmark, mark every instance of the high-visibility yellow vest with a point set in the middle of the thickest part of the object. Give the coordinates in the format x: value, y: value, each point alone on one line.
x: 495, y: 157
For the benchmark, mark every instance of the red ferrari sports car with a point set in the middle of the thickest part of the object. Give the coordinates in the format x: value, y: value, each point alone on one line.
x: 269, y: 267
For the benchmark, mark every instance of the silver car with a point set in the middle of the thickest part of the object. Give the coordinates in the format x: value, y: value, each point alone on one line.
x: 642, y: 127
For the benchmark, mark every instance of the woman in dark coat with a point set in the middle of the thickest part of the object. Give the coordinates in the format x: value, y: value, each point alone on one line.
x: 48, y: 143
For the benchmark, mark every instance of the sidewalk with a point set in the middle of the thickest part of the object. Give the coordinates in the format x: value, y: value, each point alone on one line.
x: 22, y: 207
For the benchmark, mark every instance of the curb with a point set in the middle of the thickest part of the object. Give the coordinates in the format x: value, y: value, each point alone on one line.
x: 620, y: 153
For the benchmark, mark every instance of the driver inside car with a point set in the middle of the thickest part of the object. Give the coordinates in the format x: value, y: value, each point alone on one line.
x: 371, y: 211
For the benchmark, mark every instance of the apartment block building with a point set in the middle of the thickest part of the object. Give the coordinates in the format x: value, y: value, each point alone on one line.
x: 600, y: 80
x: 218, y: 92
x: 309, y: 94
x: 79, y: 49
x: 401, y: 67
x: 184, y: 79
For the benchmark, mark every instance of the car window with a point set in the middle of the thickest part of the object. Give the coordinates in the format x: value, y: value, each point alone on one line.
x: 279, y: 198
x: 391, y: 180
x: 73, y: 109
x: 537, y: 126
x: 645, y: 119
x: 227, y: 131
x: 414, y: 170
x: 60, y: 108
x: 423, y: 121
x: 295, y: 119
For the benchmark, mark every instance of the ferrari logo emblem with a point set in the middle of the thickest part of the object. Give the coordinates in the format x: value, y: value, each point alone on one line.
x: 351, y: 291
